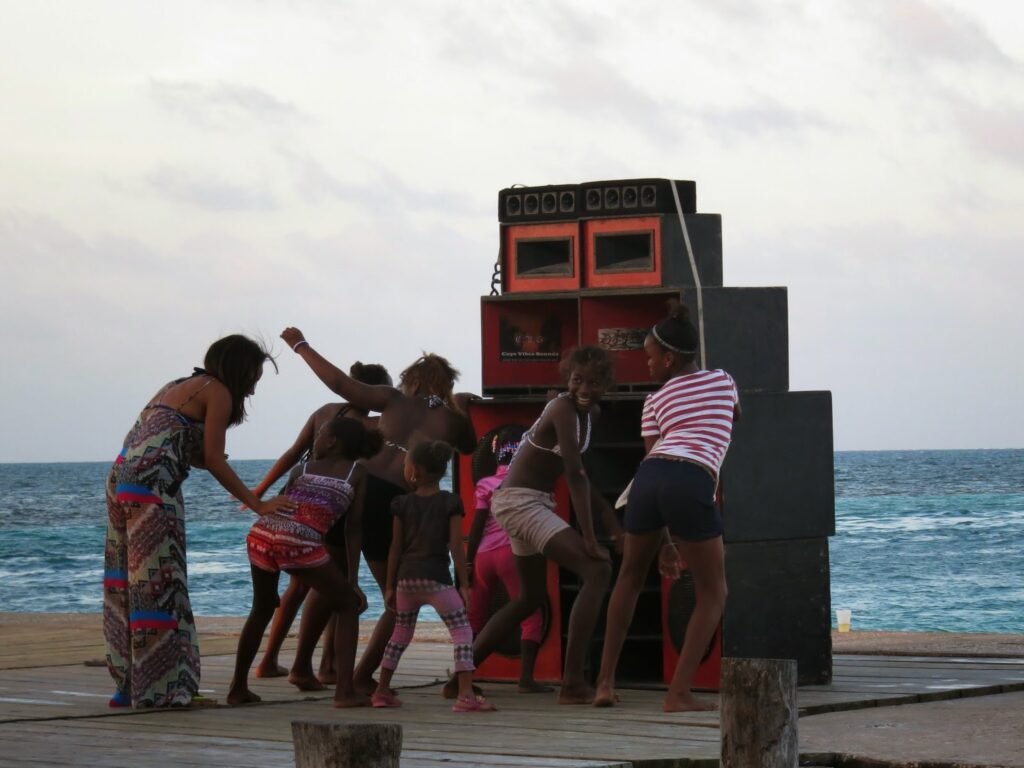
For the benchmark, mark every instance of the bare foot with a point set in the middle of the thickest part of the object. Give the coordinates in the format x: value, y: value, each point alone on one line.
x: 605, y: 696
x: 365, y: 686
x: 305, y: 682
x: 576, y: 694
x: 532, y: 686
x: 329, y: 677
x: 244, y: 696
x: 270, y: 669
x: 351, y: 700
x: 687, y: 703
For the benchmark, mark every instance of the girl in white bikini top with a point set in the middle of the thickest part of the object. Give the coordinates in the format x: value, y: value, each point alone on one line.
x: 556, y: 450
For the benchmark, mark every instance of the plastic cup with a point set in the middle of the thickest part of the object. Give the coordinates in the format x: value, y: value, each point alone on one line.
x: 843, y: 616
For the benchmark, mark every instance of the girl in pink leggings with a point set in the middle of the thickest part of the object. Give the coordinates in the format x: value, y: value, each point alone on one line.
x: 427, y: 528
x: 490, y: 561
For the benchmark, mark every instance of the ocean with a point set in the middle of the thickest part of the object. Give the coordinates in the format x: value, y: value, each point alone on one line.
x: 925, y: 540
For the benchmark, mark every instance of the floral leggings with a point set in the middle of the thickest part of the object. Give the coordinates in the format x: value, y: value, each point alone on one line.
x: 413, y: 594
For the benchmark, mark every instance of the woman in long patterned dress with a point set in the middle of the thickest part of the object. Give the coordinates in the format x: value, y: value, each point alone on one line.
x: 152, y: 646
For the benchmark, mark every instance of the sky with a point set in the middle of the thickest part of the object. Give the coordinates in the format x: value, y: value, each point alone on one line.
x: 170, y: 173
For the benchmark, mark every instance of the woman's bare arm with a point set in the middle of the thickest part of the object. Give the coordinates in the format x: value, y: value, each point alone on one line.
x: 289, y: 458
x: 365, y: 396
x: 217, y: 401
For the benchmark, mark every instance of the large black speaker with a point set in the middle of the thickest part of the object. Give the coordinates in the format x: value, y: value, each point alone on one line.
x: 554, y: 202
x: 777, y: 480
x: 779, y: 604
x: 630, y: 197
x: 746, y: 333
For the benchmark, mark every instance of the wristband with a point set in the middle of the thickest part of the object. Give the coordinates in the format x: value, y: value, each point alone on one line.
x: 299, y: 343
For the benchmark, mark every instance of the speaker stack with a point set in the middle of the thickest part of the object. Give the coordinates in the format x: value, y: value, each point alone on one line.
x: 595, y: 263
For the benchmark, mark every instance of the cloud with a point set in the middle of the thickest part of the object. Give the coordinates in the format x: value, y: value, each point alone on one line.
x: 206, y: 191
x: 761, y: 118
x: 222, y: 106
x: 386, y: 190
x: 994, y: 132
x: 934, y: 31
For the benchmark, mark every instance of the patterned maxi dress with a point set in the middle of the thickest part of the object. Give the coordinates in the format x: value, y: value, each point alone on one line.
x: 152, y: 646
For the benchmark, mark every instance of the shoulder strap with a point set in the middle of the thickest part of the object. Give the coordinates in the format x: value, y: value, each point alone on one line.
x: 351, y: 470
x: 196, y: 392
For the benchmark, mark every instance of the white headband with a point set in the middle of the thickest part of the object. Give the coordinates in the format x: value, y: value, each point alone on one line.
x: 666, y: 345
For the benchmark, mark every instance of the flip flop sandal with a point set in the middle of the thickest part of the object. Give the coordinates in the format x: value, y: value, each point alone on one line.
x: 385, y: 700
x: 474, y: 704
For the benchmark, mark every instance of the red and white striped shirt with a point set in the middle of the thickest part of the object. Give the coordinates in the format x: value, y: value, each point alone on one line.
x: 693, y: 416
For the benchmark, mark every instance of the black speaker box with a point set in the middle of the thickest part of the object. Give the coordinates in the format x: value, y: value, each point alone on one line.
x: 746, y: 333
x: 778, y: 479
x: 630, y: 197
x: 650, y: 251
x: 554, y: 202
x: 779, y: 605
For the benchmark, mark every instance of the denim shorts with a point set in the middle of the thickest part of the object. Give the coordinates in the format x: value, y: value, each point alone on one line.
x: 676, y: 494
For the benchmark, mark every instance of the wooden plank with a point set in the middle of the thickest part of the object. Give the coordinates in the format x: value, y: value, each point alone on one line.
x: 53, y: 712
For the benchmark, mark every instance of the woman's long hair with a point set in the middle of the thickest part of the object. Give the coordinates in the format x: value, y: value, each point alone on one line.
x: 236, y: 362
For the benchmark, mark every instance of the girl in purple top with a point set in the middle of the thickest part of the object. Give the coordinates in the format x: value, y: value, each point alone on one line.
x: 490, y: 560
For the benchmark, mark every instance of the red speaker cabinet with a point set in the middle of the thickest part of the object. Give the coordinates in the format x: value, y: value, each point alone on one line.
x: 621, y: 253
x: 488, y: 416
x: 677, y: 603
x: 541, y: 257
x: 619, y: 321
x: 650, y: 251
x: 523, y: 339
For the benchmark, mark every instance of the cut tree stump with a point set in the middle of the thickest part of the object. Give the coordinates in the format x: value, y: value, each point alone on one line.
x: 325, y: 744
x: 759, y: 713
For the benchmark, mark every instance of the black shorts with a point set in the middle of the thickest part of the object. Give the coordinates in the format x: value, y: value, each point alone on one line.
x: 676, y: 494
x: 377, y: 526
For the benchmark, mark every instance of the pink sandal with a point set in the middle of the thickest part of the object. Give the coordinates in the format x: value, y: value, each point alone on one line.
x: 384, y: 699
x: 473, y: 704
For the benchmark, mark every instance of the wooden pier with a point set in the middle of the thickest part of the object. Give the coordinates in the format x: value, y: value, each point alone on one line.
x: 53, y: 709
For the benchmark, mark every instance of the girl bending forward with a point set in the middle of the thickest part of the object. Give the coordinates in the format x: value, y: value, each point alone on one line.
x: 327, y: 489
x: 687, y: 427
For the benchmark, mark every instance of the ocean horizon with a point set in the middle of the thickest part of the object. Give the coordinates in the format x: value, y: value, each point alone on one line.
x: 926, y: 540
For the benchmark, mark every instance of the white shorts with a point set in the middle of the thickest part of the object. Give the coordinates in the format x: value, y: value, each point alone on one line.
x: 528, y: 517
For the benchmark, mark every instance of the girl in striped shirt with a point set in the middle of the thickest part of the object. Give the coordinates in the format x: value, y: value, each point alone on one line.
x: 686, y: 426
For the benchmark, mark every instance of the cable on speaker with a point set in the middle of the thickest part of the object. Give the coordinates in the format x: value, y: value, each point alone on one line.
x: 496, y: 277
x: 696, y: 277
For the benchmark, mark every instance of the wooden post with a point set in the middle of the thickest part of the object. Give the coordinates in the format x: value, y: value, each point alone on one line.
x: 326, y: 744
x: 759, y: 713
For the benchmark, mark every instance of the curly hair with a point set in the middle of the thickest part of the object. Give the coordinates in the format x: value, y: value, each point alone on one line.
x: 357, y: 442
x: 370, y: 373
x: 676, y: 333
x: 432, y: 456
x: 594, y: 358
x: 429, y: 375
